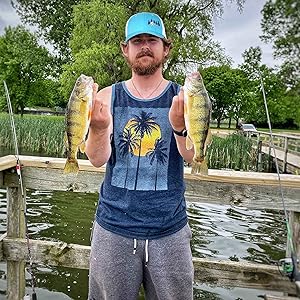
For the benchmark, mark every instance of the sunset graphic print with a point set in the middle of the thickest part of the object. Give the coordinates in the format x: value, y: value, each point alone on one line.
x: 142, y: 150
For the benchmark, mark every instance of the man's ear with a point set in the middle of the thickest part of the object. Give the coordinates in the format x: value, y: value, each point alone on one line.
x: 124, y: 48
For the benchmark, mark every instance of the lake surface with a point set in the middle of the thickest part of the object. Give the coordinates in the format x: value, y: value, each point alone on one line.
x: 221, y: 232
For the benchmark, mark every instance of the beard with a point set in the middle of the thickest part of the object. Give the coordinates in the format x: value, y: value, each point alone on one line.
x: 148, y: 68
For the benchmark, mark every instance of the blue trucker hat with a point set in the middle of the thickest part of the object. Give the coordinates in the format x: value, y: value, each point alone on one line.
x: 145, y: 22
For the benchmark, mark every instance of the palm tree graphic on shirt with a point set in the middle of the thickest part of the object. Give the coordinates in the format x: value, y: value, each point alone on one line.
x: 159, y: 155
x: 141, y: 137
x: 128, y: 143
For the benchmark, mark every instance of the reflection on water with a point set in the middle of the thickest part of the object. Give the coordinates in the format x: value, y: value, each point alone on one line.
x: 221, y: 232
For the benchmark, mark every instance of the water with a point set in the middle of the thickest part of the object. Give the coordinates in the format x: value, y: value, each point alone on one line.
x: 220, y: 232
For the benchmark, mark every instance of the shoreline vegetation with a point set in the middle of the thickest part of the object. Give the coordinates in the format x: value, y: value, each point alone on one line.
x: 44, y: 135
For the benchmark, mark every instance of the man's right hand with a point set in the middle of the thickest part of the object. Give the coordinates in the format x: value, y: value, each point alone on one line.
x: 100, y: 115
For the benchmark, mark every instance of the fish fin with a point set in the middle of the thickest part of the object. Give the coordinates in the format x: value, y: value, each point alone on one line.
x: 199, y: 168
x: 82, y: 147
x: 66, y: 140
x: 189, y: 143
x: 71, y: 166
x: 208, y: 138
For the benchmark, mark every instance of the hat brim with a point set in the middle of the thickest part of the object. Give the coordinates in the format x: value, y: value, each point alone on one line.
x: 144, y: 32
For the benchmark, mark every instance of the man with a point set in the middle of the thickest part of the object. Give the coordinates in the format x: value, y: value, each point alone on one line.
x: 137, y: 128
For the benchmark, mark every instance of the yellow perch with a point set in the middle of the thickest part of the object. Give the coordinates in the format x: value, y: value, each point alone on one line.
x: 77, y: 120
x: 197, y: 117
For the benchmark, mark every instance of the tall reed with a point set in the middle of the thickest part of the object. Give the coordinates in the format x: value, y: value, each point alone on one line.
x: 234, y: 152
x: 45, y: 134
x: 35, y: 133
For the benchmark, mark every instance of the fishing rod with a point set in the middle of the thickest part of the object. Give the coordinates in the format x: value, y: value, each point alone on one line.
x: 19, y: 173
x: 290, y: 265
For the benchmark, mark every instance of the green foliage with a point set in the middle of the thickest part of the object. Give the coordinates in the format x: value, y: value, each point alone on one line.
x: 53, y: 18
x: 188, y: 22
x: 40, y: 134
x: 95, y: 45
x: 282, y: 99
x: 25, y: 66
x: 44, y: 135
x: 229, y: 91
x: 233, y: 152
x: 96, y: 37
x: 280, y: 24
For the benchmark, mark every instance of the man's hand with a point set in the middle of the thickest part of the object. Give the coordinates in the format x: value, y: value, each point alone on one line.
x: 176, y: 113
x: 100, y: 116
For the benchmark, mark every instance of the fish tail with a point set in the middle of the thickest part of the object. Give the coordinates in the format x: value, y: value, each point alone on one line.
x: 71, y: 166
x: 199, y: 167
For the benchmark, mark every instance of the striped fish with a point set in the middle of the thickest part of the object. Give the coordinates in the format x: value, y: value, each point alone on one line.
x: 77, y: 121
x: 197, y: 114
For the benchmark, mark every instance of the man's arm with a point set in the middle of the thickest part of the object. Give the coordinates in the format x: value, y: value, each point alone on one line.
x: 176, y: 116
x: 98, y: 148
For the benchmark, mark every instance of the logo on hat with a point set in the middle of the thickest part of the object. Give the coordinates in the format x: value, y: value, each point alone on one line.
x: 153, y: 22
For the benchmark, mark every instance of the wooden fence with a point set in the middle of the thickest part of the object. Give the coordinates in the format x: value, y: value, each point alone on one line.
x: 287, y: 149
x: 250, y: 190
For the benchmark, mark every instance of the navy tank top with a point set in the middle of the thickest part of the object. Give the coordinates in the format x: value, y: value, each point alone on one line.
x: 142, y: 195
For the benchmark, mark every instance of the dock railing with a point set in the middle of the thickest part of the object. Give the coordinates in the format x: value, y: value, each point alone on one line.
x: 240, y: 189
x: 287, y: 147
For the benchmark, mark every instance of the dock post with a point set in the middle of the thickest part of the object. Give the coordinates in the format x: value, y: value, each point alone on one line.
x: 294, y: 221
x: 259, y: 157
x: 284, y: 168
x: 15, y: 229
x: 296, y: 237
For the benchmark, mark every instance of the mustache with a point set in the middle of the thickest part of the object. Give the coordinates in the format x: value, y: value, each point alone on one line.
x: 146, y: 52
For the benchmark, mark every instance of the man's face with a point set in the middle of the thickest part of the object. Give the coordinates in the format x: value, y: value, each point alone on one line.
x: 145, y: 54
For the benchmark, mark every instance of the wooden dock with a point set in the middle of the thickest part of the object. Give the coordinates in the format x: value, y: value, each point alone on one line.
x: 241, y: 189
x: 286, y: 149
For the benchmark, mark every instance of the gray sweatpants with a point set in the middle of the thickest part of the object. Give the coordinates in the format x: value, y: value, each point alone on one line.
x: 119, y: 265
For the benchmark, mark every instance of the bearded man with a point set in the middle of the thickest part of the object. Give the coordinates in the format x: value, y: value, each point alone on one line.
x: 141, y: 234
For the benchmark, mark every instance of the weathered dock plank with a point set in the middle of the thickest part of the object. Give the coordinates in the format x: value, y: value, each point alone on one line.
x: 213, y: 272
x: 248, y: 189
x: 271, y: 297
x: 7, y: 162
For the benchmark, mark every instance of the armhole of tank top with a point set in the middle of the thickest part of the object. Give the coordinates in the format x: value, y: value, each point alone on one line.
x: 112, y: 100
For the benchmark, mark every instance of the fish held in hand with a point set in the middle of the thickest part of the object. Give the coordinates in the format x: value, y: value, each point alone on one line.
x: 197, y: 112
x: 77, y: 120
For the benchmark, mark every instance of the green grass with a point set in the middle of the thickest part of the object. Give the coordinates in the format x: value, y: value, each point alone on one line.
x: 35, y: 133
x: 232, y: 152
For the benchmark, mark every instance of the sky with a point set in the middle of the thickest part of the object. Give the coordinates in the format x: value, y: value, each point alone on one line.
x: 238, y: 32
x: 235, y: 31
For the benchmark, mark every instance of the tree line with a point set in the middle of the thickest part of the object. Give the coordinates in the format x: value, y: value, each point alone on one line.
x: 85, y: 37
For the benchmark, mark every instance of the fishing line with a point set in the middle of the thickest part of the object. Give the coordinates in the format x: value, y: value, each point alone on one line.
x: 19, y: 172
x: 289, y: 231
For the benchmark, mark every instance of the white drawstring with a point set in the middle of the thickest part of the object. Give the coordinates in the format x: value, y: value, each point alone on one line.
x: 146, y: 250
x: 146, y: 253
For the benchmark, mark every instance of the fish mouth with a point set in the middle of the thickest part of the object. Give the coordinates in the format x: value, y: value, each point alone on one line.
x: 194, y: 75
x: 193, y: 82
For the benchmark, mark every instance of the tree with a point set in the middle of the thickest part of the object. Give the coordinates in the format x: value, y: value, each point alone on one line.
x: 53, y: 20
x: 90, y: 31
x: 95, y: 39
x: 25, y: 66
x: 55, y: 24
x: 282, y: 109
x: 227, y: 88
x: 280, y: 25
